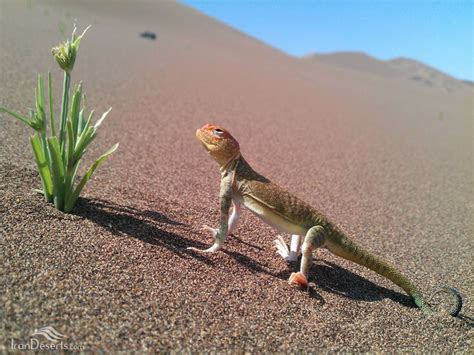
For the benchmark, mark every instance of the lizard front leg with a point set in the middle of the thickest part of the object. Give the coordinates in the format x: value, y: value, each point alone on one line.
x: 225, y: 225
x: 315, y: 238
x: 234, y: 217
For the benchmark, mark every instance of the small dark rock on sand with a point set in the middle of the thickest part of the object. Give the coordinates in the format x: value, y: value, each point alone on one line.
x: 148, y: 35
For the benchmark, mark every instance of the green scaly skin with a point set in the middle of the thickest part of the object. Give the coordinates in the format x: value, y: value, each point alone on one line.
x: 241, y: 185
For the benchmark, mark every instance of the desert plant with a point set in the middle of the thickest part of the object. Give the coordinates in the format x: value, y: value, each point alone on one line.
x: 58, y: 156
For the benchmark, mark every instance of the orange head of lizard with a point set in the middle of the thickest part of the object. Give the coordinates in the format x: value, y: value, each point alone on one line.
x: 219, y: 143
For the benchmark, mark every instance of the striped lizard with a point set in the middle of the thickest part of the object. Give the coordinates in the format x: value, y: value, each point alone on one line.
x: 241, y: 185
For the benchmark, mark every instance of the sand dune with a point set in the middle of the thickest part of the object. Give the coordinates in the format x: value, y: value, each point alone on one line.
x: 397, y: 68
x: 390, y: 161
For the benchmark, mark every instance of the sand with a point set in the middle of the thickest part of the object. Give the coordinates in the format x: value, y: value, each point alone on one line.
x: 390, y: 161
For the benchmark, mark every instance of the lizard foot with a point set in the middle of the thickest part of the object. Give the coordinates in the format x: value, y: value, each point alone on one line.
x: 283, y: 250
x: 215, y: 247
x: 298, y: 279
x: 210, y: 229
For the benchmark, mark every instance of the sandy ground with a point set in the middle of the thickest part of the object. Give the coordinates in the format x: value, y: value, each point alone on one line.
x: 390, y: 162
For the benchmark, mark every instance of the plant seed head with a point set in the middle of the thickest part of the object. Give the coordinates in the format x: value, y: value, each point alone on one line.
x: 65, y: 53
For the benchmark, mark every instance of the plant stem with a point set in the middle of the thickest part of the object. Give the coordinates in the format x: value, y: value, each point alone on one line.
x: 64, y: 109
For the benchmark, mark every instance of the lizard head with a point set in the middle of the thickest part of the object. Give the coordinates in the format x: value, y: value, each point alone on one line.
x: 219, y: 143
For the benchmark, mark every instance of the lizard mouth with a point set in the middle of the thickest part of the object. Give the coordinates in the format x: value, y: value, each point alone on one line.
x: 206, y: 147
x: 203, y: 138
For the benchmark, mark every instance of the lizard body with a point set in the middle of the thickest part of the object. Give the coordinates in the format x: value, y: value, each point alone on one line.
x: 241, y: 185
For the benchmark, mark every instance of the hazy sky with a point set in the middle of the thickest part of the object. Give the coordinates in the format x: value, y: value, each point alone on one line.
x: 438, y: 33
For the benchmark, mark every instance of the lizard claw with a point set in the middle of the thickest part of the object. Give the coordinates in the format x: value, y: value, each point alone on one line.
x: 210, y: 229
x: 215, y: 247
x: 281, y: 246
x: 212, y: 249
x: 282, y: 249
x: 298, y: 279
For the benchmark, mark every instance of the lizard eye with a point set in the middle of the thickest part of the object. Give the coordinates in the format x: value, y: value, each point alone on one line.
x: 217, y: 132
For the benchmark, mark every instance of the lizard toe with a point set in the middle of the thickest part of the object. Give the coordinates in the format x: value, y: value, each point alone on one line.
x: 281, y: 247
x: 298, y: 279
x: 209, y: 229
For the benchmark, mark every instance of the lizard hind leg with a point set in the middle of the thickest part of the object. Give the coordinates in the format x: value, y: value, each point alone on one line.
x: 289, y: 254
x: 315, y: 238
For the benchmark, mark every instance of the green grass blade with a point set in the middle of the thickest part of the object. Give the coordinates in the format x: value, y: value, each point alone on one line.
x: 74, y: 116
x: 99, y: 122
x: 70, y: 145
x: 43, y: 167
x: 44, y: 146
x: 40, y: 113
x: 69, y: 182
x: 40, y: 98
x: 70, y: 162
x: 17, y: 116
x: 84, y: 140
x: 57, y: 172
x: 86, y: 124
x: 64, y: 108
x: 81, y: 122
x: 75, y: 108
x: 75, y: 195
x: 52, y: 123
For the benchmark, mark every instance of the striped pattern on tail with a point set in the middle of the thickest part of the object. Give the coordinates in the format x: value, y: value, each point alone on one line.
x: 342, y: 246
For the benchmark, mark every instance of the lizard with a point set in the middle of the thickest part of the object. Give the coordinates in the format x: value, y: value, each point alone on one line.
x: 242, y: 186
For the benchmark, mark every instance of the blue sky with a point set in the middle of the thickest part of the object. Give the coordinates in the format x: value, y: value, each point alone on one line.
x: 438, y: 33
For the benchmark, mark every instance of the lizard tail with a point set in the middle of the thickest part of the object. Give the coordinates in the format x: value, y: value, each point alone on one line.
x: 342, y: 246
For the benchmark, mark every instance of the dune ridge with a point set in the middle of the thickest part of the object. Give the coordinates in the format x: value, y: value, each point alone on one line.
x: 396, y: 68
